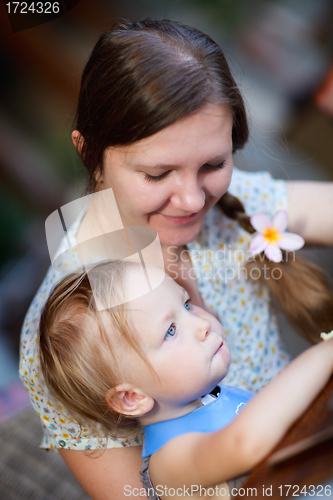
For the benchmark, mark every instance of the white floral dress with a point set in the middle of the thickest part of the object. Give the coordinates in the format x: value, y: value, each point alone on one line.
x: 242, y: 305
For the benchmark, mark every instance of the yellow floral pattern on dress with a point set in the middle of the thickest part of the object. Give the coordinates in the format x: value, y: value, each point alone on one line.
x: 245, y: 312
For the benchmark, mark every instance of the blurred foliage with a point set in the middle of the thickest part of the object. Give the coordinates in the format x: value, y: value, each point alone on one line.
x: 16, y: 217
x: 229, y: 14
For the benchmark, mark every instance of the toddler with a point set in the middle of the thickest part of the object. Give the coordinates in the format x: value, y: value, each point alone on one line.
x: 147, y: 363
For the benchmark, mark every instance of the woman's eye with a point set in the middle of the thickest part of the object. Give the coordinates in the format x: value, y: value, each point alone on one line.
x: 213, y: 168
x: 204, y: 168
x: 187, y: 305
x: 155, y: 178
x: 171, y: 332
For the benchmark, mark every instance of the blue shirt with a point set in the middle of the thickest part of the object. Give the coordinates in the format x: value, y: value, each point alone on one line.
x: 209, y: 418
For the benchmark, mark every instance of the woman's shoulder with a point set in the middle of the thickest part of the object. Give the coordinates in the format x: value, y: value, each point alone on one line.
x: 259, y: 191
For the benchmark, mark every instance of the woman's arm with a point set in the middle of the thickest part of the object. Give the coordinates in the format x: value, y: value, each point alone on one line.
x: 311, y: 211
x: 110, y: 474
x: 216, y: 457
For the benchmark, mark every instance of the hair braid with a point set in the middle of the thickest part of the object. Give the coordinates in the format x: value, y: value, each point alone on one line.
x: 233, y: 208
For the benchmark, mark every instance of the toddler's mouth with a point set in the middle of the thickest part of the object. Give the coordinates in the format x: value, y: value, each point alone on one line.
x: 220, y: 346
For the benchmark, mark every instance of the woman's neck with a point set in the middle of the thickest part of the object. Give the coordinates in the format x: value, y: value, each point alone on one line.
x: 102, y: 217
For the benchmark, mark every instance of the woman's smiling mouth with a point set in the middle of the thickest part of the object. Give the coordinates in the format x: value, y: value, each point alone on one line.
x: 181, y: 219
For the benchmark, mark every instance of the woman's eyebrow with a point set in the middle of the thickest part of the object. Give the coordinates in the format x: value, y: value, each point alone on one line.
x: 158, y: 166
x: 163, y: 166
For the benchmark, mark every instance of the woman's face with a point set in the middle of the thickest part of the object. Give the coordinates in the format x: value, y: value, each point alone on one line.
x: 171, y: 179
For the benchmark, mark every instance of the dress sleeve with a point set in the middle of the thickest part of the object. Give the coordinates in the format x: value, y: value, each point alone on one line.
x: 259, y: 192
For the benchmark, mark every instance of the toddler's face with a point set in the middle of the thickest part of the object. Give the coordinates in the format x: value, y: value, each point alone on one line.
x: 185, y: 345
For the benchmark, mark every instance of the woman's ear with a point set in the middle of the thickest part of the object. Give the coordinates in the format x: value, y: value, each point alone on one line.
x: 98, y: 175
x: 129, y: 400
x: 78, y: 141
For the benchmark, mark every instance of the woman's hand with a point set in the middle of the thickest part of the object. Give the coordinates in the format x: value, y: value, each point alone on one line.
x: 311, y: 211
x: 110, y: 474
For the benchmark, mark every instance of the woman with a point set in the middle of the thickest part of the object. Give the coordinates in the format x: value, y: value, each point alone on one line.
x: 158, y: 119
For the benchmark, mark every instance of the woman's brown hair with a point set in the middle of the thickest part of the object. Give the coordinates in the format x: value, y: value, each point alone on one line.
x: 143, y: 76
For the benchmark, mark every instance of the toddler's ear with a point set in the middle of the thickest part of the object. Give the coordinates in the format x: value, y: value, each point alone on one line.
x: 129, y: 400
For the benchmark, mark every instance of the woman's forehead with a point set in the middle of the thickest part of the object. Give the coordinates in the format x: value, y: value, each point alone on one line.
x: 182, y: 130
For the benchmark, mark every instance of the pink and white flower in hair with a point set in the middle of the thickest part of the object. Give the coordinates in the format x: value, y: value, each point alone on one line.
x: 271, y: 237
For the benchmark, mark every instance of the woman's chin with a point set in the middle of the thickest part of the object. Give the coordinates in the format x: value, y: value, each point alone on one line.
x: 178, y: 234
x: 178, y: 237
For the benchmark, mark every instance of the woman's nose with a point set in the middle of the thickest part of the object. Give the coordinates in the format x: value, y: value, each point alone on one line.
x: 188, y: 196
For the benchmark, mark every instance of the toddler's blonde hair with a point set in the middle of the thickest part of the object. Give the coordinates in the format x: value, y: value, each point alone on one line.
x: 78, y: 354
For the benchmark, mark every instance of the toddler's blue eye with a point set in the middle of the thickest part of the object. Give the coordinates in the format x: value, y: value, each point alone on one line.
x: 187, y: 305
x: 171, y: 332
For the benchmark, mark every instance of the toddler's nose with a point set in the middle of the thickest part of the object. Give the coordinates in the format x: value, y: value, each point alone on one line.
x: 203, y: 329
